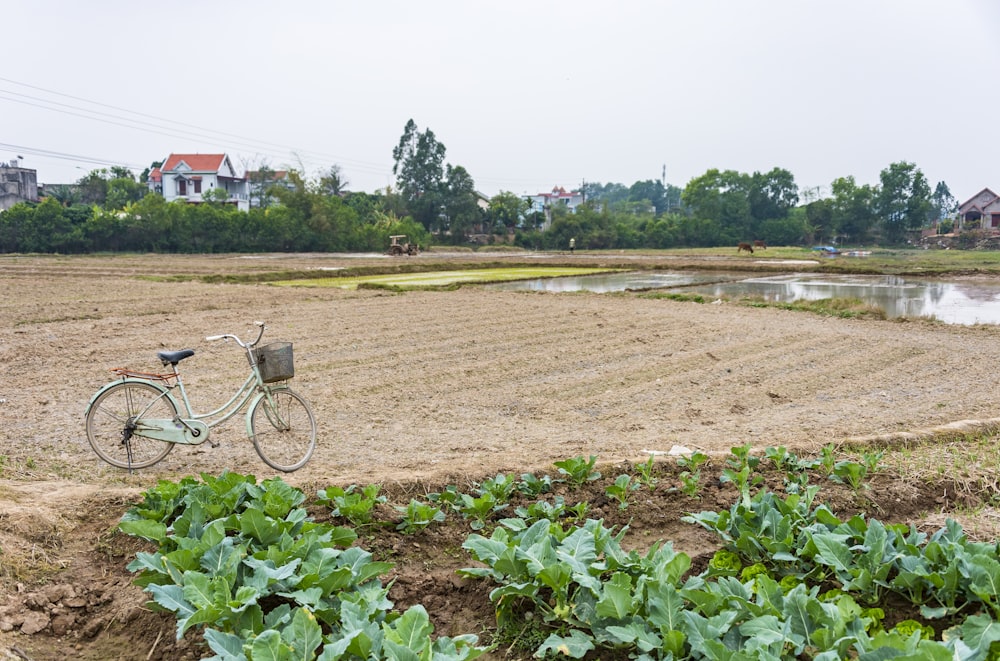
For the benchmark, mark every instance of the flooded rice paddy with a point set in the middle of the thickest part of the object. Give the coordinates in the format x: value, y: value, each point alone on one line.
x: 953, y: 302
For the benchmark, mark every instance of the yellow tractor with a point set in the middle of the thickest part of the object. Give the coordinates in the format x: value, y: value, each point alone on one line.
x: 400, y: 246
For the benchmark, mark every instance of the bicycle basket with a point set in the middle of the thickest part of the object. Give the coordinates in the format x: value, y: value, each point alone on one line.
x: 275, y: 361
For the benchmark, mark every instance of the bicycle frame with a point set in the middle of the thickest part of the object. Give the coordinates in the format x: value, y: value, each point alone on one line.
x: 193, y: 428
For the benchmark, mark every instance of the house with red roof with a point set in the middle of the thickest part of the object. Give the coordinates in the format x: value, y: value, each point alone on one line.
x: 190, y: 177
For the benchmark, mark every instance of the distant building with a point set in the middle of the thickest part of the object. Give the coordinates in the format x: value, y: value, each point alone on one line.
x: 190, y: 176
x: 17, y: 184
x: 544, y: 202
x: 982, y: 210
x: 259, y: 182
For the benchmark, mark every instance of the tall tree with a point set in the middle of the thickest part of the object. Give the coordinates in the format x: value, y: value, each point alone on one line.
x: 507, y: 211
x: 333, y: 182
x: 945, y: 204
x: 853, y: 212
x: 608, y: 194
x: 93, y: 187
x: 261, y: 181
x: 904, y: 200
x: 122, y: 192
x: 721, y: 197
x: 650, y: 191
x: 772, y: 194
x: 419, y: 170
x: 459, y: 205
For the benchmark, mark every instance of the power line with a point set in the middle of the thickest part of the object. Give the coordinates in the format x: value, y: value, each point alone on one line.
x: 45, y: 153
x: 173, y: 132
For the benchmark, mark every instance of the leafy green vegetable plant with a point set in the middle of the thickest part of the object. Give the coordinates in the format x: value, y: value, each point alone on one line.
x: 692, y: 462
x: 850, y: 473
x: 622, y: 489
x: 450, y: 499
x: 872, y: 460
x: 350, y: 503
x: 741, y: 457
x: 534, y: 486
x: 499, y: 487
x: 478, y: 510
x: 418, y: 515
x: 645, y: 473
x: 578, y: 471
x: 690, y: 477
x: 827, y: 459
x: 244, y: 561
x: 541, y: 509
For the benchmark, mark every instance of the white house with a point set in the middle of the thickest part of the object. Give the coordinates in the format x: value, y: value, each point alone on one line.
x: 544, y: 202
x: 190, y: 176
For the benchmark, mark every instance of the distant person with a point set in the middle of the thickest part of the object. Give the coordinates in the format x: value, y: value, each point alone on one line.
x: 572, y: 245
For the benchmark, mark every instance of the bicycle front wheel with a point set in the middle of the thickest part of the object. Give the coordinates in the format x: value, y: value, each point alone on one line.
x: 111, y: 423
x: 283, y: 430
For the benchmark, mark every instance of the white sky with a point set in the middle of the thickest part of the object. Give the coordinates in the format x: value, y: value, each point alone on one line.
x: 524, y: 95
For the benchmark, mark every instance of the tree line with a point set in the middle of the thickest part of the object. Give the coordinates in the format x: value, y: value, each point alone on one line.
x: 434, y: 202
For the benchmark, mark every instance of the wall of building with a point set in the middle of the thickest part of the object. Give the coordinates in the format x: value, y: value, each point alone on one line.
x: 17, y: 184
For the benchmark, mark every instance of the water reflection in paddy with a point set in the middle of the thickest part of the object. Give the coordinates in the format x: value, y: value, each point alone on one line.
x: 953, y: 302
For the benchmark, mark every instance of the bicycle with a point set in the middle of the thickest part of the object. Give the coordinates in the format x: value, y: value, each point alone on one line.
x: 134, y: 421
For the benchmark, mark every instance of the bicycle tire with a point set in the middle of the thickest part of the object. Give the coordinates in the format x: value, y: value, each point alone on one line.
x: 284, y: 441
x: 108, y: 419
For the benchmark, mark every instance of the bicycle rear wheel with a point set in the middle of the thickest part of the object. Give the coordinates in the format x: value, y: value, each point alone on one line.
x: 111, y: 423
x: 284, y: 434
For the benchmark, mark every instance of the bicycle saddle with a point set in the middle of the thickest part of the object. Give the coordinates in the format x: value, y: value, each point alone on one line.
x: 174, y: 357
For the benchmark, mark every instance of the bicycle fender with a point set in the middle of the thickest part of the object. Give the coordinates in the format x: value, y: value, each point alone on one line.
x: 110, y: 385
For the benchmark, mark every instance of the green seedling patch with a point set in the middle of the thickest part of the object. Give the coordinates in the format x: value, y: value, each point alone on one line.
x: 443, y: 278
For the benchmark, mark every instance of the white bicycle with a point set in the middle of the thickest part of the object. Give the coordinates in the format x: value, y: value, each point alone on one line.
x: 135, y: 420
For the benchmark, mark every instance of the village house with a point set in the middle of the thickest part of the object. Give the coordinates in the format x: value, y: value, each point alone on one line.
x: 981, y: 211
x: 190, y: 177
x: 544, y: 202
x: 260, y: 183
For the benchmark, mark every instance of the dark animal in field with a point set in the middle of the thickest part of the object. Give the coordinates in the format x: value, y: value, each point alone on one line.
x: 744, y: 246
x: 759, y: 244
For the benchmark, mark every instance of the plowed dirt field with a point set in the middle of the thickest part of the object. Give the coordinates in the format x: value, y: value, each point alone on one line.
x: 422, y: 387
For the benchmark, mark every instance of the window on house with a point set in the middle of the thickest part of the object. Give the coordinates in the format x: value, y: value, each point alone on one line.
x: 182, y: 188
x: 197, y: 186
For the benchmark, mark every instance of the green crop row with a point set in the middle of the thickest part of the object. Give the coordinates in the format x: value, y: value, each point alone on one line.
x: 244, y: 562
x: 793, y: 582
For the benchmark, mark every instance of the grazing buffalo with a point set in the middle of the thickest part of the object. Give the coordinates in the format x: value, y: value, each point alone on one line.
x: 759, y: 244
x: 744, y: 246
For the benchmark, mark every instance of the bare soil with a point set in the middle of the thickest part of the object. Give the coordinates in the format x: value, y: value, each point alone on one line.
x: 418, y: 390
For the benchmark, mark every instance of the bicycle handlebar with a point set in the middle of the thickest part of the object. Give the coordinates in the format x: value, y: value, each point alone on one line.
x: 245, y: 345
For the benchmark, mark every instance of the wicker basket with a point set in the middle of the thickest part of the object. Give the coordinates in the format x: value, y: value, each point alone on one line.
x: 275, y: 361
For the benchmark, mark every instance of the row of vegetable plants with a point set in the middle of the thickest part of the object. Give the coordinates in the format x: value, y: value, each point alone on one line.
x: 247, y: 564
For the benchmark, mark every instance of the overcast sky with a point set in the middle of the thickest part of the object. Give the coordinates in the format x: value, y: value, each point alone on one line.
x: 525, y: 95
